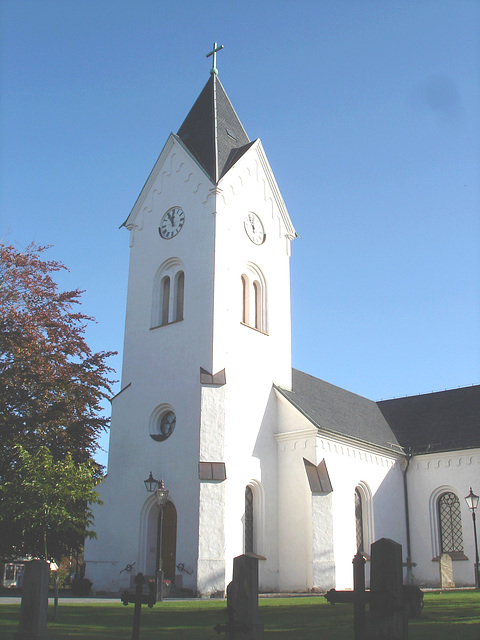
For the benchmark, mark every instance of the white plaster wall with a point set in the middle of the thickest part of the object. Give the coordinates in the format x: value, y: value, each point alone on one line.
x: 348, y: 466
x: 323, y: 558
x: 296, y: 555
x: 428, y: 477
x: 211, y: 535
x: 252, y: 359
x: 160, y: 365
x: 383, y: 515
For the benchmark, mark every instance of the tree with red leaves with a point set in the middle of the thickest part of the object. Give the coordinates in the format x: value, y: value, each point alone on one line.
x: 51, y: 391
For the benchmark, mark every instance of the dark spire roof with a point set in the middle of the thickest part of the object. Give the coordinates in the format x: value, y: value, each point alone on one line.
x: 212, y: 131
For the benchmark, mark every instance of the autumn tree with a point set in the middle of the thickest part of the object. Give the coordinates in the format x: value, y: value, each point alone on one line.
x: 51, y: 387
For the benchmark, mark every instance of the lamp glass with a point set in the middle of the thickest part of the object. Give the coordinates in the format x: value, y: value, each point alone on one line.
x: 161, y: 494
x: 472, y: 500
x: 150, y: 483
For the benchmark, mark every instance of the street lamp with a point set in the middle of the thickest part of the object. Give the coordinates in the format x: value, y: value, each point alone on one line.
x: 161, y: 497
x: 472, y: 502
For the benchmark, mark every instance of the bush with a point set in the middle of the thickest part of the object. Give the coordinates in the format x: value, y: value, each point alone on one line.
x: 81, y: 586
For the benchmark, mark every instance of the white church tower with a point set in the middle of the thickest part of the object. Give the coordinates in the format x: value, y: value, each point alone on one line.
x: 207, y: 335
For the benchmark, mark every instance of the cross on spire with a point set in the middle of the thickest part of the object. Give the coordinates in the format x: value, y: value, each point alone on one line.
x: 214, y: 70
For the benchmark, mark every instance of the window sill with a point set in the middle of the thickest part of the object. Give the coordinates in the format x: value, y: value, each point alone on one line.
x: 158, y: 326
x: 250, y: 554
x: 455, y: 556
x: 254, y: 328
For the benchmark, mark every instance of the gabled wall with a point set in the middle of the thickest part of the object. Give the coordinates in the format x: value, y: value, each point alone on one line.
x: 429, y: 476
x: 317, y: 551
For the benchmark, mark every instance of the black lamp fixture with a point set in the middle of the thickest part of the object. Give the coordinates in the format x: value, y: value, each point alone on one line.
x: 161, y: 494
x: 472, y: 500
x: 150, y: 483
x: 472, y: 503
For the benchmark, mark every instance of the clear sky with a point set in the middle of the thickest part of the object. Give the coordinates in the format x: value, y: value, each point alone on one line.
x: 369, y: 113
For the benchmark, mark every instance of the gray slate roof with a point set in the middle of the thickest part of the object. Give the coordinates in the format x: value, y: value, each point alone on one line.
x: 339, y: 411
x: 443, y: 421
x: 212, y: 131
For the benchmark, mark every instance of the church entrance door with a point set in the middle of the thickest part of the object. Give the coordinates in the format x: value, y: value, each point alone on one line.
x: 169, y: 540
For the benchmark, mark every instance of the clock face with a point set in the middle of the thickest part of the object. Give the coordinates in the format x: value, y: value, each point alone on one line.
x: 254, y: 228
x: 171, y: 223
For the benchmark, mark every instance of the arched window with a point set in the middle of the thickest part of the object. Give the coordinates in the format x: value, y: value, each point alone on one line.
x: 359, y: 521
x: 450, y: 521
x: 179, y: 293
x: 165, y: 299
x: 258, y: 304
x: 168, y: 293
x: 254, y: 288
x: 254, y: 523
x: 364, y: 521
x: 248, y: 520
x: 245, y: 299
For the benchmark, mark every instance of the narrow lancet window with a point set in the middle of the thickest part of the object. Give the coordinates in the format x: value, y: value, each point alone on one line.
x: 245, y: 300
x: 248, y: 520
x: 179, y: 295
x: 165, y: 290
x: 258, y: 305
x: 450, y: 523
x: 359, y: 521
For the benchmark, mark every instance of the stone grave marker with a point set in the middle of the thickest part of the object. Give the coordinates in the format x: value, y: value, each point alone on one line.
x: 34, y: 609
x: 242, y: 601
x: 446, y: 571
x: 387, y: 618
x: 390, y: 601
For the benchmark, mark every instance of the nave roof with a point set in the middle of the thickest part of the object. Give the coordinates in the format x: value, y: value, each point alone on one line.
x: 433, y: 422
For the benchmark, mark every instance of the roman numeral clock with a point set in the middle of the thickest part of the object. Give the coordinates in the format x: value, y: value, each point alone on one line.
x: 171, y: 223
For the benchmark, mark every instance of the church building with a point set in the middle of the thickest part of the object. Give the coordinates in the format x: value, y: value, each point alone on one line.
x: 256, y: 457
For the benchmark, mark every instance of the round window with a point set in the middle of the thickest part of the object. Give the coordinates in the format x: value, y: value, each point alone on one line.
x: 164, y: 426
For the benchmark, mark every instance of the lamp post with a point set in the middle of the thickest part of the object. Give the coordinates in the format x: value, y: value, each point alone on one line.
x: 161, y: 497
x: 472, y: 502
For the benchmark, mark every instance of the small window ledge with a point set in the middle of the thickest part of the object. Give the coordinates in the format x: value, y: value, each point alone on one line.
x: 158, y: 326
x: 254, y: 328
x: 454, y: 555
x: 250, y: 554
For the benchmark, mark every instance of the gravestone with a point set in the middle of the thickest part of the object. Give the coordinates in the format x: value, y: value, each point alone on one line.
x: 446, y: 572
x: 242, y: 601
x: 34, y: 609
x: 387, y: 618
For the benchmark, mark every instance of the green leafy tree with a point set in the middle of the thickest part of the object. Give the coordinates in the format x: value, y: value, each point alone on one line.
x: 52, y: 386
x: 48, y: 501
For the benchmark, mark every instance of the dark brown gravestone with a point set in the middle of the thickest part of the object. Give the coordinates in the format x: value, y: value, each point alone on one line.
x: 387, y: 619
x: 34, y: 609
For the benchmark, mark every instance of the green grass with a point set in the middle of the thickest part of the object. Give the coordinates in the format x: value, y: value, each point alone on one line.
x: 446, y: 616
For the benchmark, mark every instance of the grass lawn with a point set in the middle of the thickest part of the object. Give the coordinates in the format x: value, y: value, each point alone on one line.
x: 446, y: 616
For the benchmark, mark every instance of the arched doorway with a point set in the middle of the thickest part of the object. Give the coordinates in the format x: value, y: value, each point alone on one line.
x: 169, y: 540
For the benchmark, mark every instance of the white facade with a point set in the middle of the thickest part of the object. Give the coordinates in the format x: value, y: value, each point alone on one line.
x: 429, y: 477
x: 208, y: 339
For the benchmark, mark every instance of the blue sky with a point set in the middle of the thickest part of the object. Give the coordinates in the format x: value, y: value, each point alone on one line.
x: 369, y: 115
